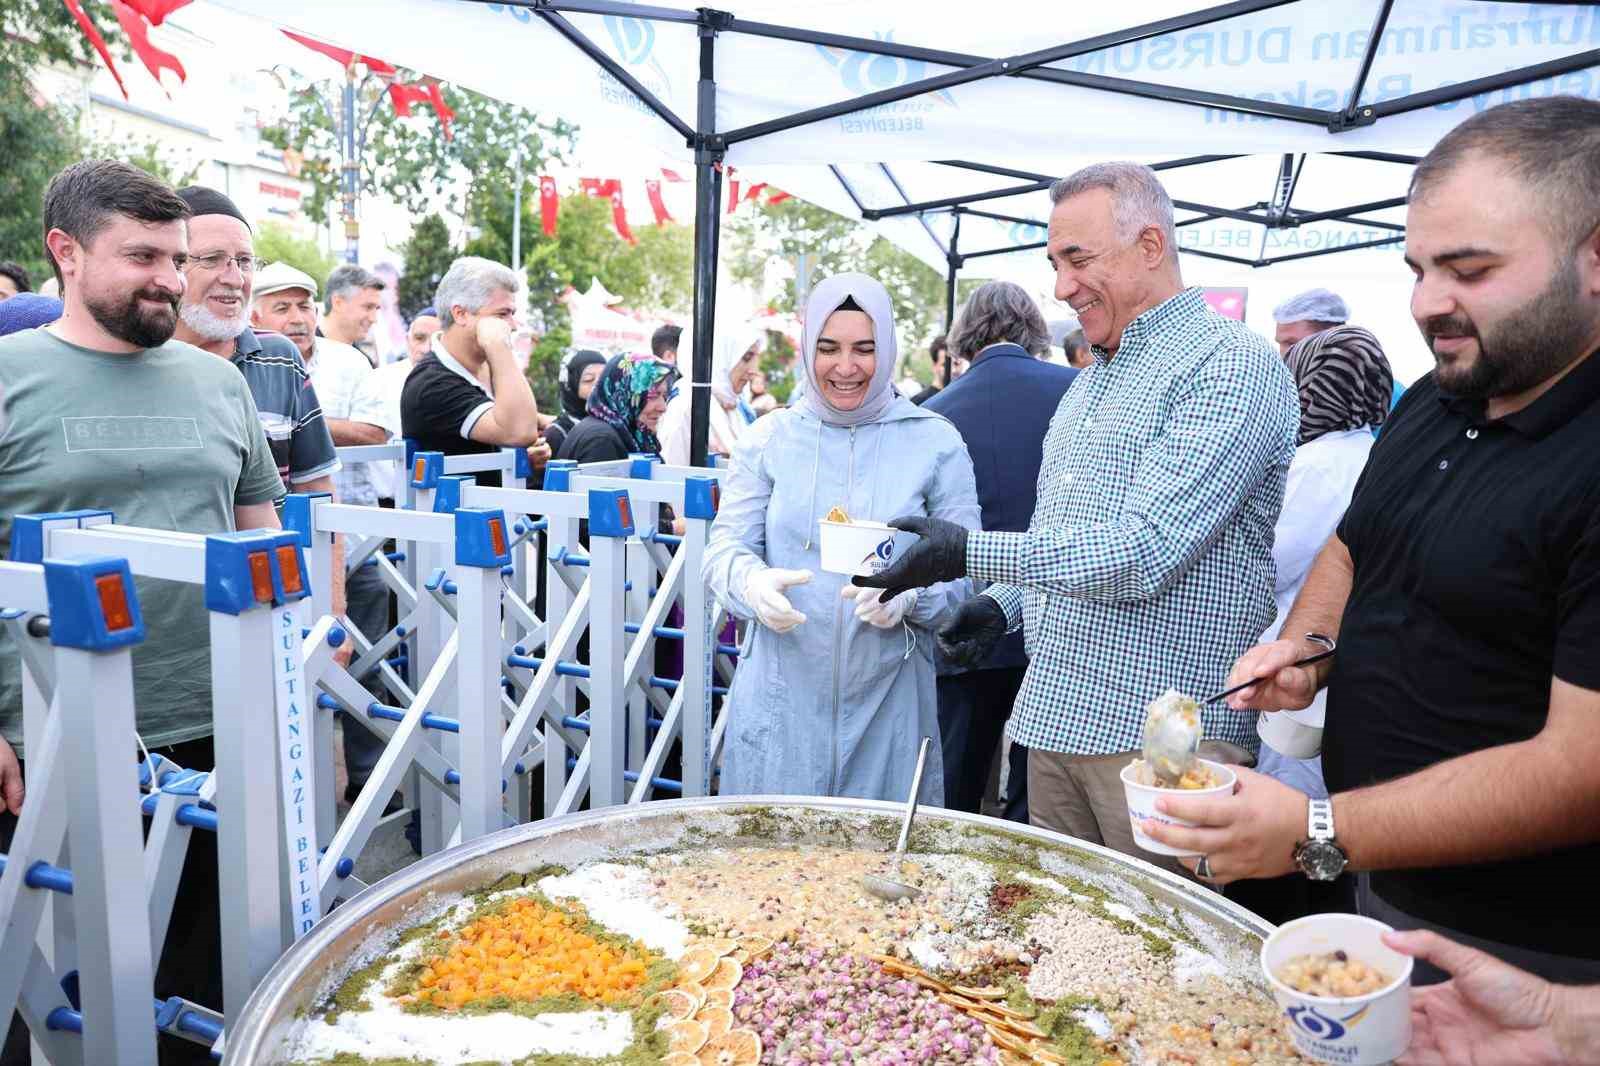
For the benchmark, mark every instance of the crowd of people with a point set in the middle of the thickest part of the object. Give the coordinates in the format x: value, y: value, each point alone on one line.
x: 1175, y: 502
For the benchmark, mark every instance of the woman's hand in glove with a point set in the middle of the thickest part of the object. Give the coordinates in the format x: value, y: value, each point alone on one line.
x: 873, y: 610
x: 764, y: 592
x: 968, y: 632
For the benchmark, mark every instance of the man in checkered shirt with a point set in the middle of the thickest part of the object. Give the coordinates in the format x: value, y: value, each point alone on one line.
x: 1148, y: 563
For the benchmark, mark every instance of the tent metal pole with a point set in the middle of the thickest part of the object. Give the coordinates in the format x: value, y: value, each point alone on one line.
x: 952, y: 267
x: 1351, y: 116
x: 973, y: 211
x: 1223, y: 212
x: 1354, y: 209
x: 1005, y: 251
x: 1380, y: 157
x: 581, y: 41
x: 932, y: 236
x: 1466, y: 89
x: 875, y: 214
x: 1241, y: 260
x: 707, y: 233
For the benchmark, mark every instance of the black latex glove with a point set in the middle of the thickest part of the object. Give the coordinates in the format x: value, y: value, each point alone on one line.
x: 940, y: 555
x: 968, y: 632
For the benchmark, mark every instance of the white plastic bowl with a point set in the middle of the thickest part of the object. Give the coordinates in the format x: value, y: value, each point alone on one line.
x: 1352, y: 1031
x: 864, y: 548
x: 1142, y: 803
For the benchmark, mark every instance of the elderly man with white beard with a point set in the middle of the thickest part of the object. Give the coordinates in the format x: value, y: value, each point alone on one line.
x: 215, y: 317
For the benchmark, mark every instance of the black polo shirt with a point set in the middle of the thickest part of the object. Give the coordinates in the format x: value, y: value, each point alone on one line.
x: 1477, y: 578
x: 440, y: 403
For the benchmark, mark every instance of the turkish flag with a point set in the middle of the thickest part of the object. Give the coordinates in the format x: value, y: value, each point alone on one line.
x: 342, y: 56
x: 155, y: 11
x: 596, y: 186
x: 86, y: 24
x: 778, y: 197
x: 440, y: 108
x: 754, y: 192
x: 733, y: 193
x: 549, y: 204
x: 138, y: 31
x: 672, y: 175
x: 619, y: 217
x: 403, y: 96
x: 653, y: 188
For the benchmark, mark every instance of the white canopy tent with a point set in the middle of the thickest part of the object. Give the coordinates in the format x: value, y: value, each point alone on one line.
x: 866, y: 109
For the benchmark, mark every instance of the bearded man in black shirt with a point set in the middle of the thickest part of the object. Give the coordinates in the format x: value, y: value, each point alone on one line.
x: 1463, y: 725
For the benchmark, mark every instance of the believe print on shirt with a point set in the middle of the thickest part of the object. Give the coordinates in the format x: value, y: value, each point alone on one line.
x: 290, y: 414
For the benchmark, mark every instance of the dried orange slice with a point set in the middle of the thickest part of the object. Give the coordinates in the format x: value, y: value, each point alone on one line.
x: 979, y: 993
x: 1047, y: 1055
x: 687, y: 1036
x: 756, y: 944
x: 696, y: 965
x: 741, y: 1047
x: 677, y: 1003
x: 740, y: 956
x: 718, y: 1020
x: 719, y: 997
x: 695, y: 992
x: 726, y: 975
x: 1023, y: 1028
x: 680, y: 1058
x: 721, y: 945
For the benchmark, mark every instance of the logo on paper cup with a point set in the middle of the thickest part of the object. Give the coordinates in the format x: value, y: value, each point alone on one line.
x: 880, y: 556
x: 1316, y: 1024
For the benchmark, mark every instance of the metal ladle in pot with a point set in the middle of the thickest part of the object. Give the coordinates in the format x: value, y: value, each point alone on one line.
x: 887, y: 888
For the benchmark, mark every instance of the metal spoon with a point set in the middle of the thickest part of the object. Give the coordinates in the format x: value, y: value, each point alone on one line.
x: 1172, y: 727
x: 887, y: 888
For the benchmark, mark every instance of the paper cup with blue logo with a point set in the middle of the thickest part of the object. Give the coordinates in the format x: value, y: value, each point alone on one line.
x: 1354, y: 1031
x: 864, y: 548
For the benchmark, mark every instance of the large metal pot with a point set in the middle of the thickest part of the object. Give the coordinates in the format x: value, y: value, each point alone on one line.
x: 366, y: 926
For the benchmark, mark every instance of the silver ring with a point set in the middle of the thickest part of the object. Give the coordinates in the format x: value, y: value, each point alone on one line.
x: 1202, y: 869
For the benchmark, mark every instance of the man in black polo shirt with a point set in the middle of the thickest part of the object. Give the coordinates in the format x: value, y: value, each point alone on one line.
x: 1463, y: 736
x: 449, y: 404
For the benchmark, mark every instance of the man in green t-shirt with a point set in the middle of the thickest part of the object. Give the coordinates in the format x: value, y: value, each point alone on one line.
x: 102, y: 410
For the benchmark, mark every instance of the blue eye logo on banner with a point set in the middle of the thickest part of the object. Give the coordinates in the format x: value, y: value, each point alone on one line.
x: 1026, y: 233
x: 633, y: 38
x: 634, y: 42
x: 869, y: 72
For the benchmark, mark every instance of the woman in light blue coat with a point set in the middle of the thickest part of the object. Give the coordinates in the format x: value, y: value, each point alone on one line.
x: 835, y: 689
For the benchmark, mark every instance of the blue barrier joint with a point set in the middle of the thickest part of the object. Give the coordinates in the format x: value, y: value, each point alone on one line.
x: 610, y: 513
x: 701, y: 497
x: 426, y: 469
x: 481, y: 537
x: 558, y: 475
x: 28, y: 531
x: 297, y: 508
x: 448, y: 497
x: 253, y: 568
x: 93, y: 604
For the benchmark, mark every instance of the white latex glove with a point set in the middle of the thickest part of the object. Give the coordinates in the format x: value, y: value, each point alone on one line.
x: 873, y: 611
x: 764, y: 592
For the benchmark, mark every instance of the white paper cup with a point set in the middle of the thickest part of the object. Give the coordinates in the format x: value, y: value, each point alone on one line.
x: 1354, y: 1031
x: 1142, y: 803
x: 864, y: 548
x: 1290, y: 734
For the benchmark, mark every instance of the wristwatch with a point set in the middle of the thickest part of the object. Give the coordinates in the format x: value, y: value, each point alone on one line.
x: 1319, y: 856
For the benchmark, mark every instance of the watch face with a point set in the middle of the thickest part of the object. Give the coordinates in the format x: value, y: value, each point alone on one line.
x: 1321, y: 860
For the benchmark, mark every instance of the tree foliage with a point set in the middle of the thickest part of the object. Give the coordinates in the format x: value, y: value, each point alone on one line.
x: 427, y: 255
x: 36, y: 141
x: 655, y: 274
x: 409, y: 159
x: 788, y: 229
x: 277, y: 243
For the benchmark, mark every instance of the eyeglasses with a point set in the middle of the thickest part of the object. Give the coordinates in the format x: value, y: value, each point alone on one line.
x: 247, y: 264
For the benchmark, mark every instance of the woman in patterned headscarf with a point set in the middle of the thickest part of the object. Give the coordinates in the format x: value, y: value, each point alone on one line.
x: 624, y: 408
x: 1345, y: 382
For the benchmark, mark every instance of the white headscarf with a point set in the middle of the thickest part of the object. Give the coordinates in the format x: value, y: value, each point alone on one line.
x: 730, y: 343
x: 872, y: 298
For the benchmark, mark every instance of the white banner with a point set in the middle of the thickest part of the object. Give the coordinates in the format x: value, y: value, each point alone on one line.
x: 295, y: 771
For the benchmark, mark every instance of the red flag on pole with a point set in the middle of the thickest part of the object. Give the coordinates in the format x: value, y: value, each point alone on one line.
x: 619, y: 217
x: 155, y: 11
x: 342, y: 56
x: 672, y: 175
x: 155, y: 60
x: 594, y: 187
x: 446, y: 116
x: 86, y: 24
x: 549, y: 204
x: 403, y: 96
x: 733, y: 192
x: 754, y: 192
x: 659, y: 206
x: 778, y: 197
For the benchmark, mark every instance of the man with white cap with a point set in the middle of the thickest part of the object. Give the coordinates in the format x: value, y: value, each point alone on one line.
x: 1306, y: 313
x: 285, y: 301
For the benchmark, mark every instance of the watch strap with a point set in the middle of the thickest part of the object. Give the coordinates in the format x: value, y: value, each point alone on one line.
x: 1319, y: 819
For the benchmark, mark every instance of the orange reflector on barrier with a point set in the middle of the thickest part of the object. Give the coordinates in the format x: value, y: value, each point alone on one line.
x: 289, y: 567
x: 497, y: 536
x: 113, y: 602
x: 261, y: 576
x: 624, y: 511
x: 419, y: 469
